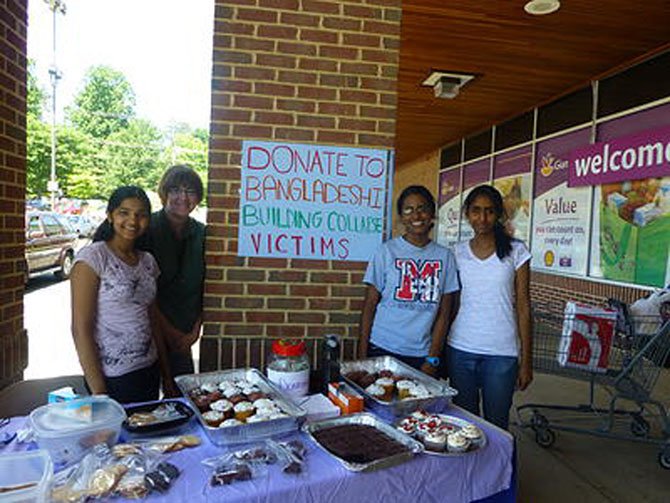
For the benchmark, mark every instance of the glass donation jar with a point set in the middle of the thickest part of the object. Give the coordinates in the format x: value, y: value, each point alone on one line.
x: 288, y: 368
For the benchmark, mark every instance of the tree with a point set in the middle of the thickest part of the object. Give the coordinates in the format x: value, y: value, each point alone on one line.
x: 105, y: 105
x: 189, y: 146
x: 36, y: 96
x: 132, y: 156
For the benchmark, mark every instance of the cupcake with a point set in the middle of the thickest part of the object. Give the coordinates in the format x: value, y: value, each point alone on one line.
x: 420, y: 414
x: 376, y: 391
x: 243, y: 410
x: 263, y: 403
x: 435, y: 440
x: 230, y: 422
x: 471, y: 432
x: 405, y: 388
x: 420, y: 391
x: 201, y: 402
x: 209, y: 387
x: 367, y: 380
x: 407, y: 425
x: 229, y: 390
x: 213, y: 418
x: 256, y: 395
x: 223, y: 406
x: 252, y: 388
x: 257, y: 418
x: 386, y: 373
x: 214, y: 395
x: 237, y: 398
x: 456, y: 442
x: 388, y: 385
x: 423, y: 429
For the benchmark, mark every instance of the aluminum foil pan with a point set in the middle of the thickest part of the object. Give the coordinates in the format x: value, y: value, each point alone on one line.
x: 363, y: 418
x: 440, y: 392
x: 245, y: 432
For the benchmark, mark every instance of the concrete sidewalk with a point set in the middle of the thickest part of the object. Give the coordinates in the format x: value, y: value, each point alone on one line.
x: 587, y: 468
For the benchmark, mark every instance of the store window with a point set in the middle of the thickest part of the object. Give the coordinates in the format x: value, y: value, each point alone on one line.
x: 564, y: 113
x: 515, y: 131
x: 450, y: 156
x: 643, y: 83
x: 478, y: 145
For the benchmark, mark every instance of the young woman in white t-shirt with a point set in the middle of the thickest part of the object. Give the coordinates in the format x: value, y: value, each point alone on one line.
x: 489, y: 350
x: 113, y: 286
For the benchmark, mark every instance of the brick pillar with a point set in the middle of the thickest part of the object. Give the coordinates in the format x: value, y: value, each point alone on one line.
x: 13, y: 340
x: 308, y: 71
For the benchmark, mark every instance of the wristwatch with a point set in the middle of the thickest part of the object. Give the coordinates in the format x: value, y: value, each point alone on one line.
x: 433, y: 361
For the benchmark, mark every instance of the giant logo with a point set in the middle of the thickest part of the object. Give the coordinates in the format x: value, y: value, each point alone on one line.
x: 418, y: 281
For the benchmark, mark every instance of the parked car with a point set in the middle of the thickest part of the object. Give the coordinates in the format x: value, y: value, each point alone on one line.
x: 50, y: 244
x: 82, y: 225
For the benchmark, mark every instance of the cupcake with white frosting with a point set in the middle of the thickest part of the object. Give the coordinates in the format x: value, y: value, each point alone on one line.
x: 213, y: 418
x: 456, y: 442
x: 472, y: 432
x: 243, y: 410
x: 405, y: 388
x: 435, y: 440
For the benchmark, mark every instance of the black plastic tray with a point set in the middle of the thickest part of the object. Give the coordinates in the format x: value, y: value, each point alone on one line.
x: 160, y: 427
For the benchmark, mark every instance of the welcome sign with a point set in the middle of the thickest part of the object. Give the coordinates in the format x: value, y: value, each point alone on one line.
x: 311, y: 201
x: 643, y: 155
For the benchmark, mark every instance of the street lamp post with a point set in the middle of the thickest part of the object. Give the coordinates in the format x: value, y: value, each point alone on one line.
x: 56, y: 6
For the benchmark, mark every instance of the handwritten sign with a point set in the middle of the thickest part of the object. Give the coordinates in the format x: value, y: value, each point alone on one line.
x: 311, y: 201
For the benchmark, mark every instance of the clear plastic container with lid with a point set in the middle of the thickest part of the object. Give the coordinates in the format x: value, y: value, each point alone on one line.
x: 289, y: 367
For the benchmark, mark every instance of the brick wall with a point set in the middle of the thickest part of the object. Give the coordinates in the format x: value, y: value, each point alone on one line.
x: 308, y: 71
x: 13, y: 340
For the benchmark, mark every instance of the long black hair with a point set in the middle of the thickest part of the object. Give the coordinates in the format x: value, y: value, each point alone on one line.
x: 420, y: 190
x: 502, y: 238
x: 105, y: 230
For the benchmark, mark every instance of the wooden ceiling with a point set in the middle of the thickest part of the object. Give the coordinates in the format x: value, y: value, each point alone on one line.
x: 520, y: 60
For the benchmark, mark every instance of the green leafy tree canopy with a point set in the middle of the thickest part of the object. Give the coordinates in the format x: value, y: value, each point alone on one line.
x: 105, y: 105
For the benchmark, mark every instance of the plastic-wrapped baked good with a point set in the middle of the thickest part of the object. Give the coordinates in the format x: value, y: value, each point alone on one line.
x: 227, y: 474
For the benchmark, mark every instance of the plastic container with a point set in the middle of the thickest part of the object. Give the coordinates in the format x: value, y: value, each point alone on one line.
x: 30, y: 467
x: 289, y: 367
x: 67, y: 435
x: 175, y: 425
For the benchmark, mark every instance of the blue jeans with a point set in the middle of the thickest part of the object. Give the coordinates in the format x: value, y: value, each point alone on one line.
x: 487, y: 377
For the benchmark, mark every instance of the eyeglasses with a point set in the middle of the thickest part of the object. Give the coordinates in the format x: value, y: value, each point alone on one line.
x: 178, y: 191
x: 422, y: 208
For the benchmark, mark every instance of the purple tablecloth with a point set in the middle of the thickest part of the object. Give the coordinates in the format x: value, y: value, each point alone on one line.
x: 472, y: 476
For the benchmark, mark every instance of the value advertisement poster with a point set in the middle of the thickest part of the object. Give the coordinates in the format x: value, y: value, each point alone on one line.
x: 560, y: 213
x: 311, y: 201
x: 474, y: 174
x: 512, y: 177
x: 631, y: 221
x: 449, y: 207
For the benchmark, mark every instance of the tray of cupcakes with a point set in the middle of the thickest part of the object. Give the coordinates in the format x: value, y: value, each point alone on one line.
x: 393, y: 389
x: 441, y: 434
x: 239, y: 405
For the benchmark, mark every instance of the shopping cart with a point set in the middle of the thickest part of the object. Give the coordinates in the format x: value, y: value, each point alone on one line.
x: 638, y: 350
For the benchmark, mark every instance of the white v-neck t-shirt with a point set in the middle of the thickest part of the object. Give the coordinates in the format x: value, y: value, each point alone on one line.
x: 486, y: 320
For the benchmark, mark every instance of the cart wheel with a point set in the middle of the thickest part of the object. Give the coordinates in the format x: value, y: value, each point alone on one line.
x: 639, y: 426
x: 545, y: 437
x: 664, y: 458
x: 538, y: 421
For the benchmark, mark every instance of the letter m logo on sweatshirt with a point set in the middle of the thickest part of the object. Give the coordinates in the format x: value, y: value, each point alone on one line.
x: 418, y: 281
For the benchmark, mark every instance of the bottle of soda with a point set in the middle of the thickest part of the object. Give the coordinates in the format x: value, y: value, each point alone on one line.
x: 330, y: 360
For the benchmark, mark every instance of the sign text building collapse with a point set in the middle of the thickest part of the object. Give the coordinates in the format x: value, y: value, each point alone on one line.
x: 311, y: 201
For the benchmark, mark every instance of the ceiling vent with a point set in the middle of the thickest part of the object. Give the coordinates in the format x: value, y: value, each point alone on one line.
x: 446, y: 84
